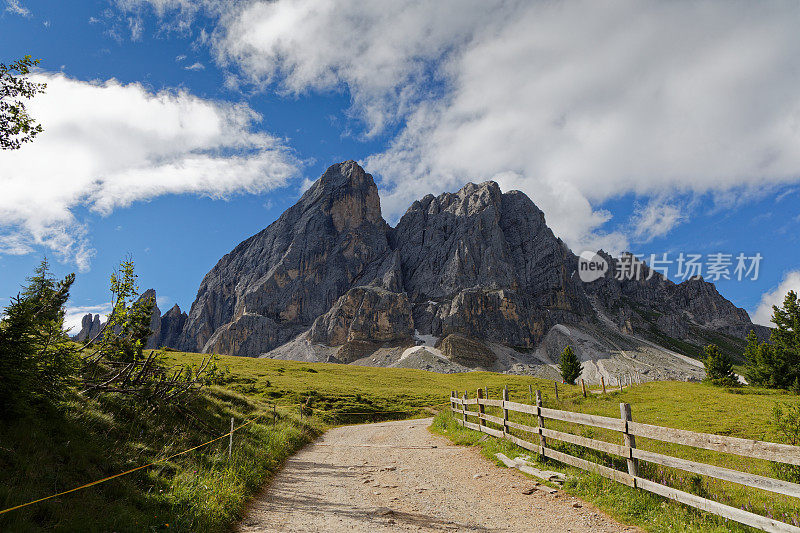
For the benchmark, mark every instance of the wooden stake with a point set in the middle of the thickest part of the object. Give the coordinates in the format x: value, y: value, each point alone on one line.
x: 603, y: 383
x: 530, y: 393
x: 505, y: 411
x: 556, y: 384
x: 465, y: 406
x: 542, y: 440
x: 629, y: 440
x: 481, y: 408
x: 230, y: 441
x: 583, y: 386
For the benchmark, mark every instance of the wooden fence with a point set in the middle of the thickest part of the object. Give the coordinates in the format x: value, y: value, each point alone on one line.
x: 629, y: 430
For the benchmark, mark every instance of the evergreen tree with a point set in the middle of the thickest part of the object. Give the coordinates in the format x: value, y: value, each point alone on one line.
x: 777, y: 364
x: 719, y: 368
x: 570, y: 366
x: 37, y: 360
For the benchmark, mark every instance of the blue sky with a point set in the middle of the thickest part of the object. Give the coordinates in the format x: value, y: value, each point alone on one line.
x: 176, y: 129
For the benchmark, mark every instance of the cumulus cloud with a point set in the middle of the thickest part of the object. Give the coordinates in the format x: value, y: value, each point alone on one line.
x: 106, y: 145
x: 195, y: 66
x: 572, y: 102
x: 763, y: 313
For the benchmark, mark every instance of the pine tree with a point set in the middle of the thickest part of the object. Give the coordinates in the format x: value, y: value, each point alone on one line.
x: 570, y: 366
x: 777, y: 364
x: 719, y: 368
x: 37, y: 361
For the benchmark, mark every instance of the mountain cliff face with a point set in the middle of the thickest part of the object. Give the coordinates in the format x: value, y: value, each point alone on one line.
x: 275, y: 284
x: 478, y: 267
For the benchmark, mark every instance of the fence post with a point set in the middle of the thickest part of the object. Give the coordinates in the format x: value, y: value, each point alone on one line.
x: 230, y: 441
x: 505, y: 411
x: 464, y: 406
x: 481, y: 408
x: 556, y: 384
x: 540, y: 418
x: 583, y: 386
x: 530, y: 393
x: 603, y: 383
x: 629, y: 440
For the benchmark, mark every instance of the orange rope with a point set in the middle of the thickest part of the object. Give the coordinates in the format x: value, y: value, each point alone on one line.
x: 124, y: 473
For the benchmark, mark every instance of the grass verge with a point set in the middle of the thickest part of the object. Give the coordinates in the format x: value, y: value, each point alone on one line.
x: 698, y: 407
x: 58, y: 447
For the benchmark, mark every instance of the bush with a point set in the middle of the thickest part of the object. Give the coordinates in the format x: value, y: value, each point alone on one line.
x: 786, y: 421
x: 719, y: 368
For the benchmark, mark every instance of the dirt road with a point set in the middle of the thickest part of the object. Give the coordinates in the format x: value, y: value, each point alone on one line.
x: 396, y: 476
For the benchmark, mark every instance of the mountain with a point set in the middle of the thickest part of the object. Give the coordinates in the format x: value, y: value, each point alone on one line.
x: 166, y: 329
x: 471, y: 279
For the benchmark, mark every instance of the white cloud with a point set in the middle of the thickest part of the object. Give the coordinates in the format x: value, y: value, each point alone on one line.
x: 74, y: 315
x: 106, y: 145
x: 763, y: 313
x: 16, y: 7
x: 572, y: 102
x: 180, y: 58
x: 655, y: 219
x: 195, y: 66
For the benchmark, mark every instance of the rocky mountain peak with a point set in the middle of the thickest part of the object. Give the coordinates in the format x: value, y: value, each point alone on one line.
x: 348, y: 194
x: 475, y: 266
x: 276, y: 283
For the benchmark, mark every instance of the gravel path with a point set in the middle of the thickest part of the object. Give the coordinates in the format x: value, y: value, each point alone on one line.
x: 396, y: 476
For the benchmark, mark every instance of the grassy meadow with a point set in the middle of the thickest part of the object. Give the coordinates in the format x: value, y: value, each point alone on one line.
x: 58, y: 447
x: 741, y: 412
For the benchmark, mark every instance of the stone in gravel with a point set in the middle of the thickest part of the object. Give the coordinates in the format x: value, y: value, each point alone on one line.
x: 528, y: 490
x: 577, y: 505
x: 384, y: 511
x: 476, y: 476
x: 388, y: 468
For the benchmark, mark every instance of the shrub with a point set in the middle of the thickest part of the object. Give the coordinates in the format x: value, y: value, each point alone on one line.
x: 786, y: 422
x: 719, y: 368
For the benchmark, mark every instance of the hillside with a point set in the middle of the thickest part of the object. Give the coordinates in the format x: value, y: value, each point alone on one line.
x: 79, y: 441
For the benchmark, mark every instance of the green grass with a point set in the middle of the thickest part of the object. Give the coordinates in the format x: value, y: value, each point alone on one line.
x: 81, y: 440
x: 336, y: 390
x: 56, y: 448
x: 742, y: 413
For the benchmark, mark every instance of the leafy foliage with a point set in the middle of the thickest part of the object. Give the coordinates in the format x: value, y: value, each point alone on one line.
x: 786, y: 421
x: 719, y: 368
x: 570, y: 366
x: 118, y: 363
x: 124, y: 337
x: 777, y: 364
x: 37, y: 360
x: 16, y: 126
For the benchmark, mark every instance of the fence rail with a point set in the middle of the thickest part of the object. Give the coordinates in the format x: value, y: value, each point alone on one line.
x: 629, y: 430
